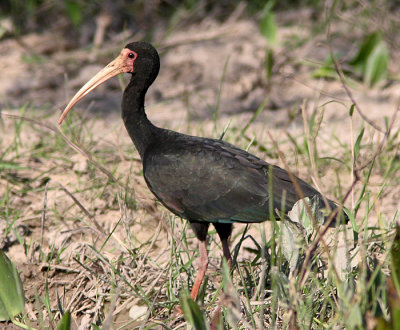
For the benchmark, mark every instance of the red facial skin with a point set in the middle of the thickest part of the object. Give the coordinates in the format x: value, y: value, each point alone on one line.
x: 124, y: 63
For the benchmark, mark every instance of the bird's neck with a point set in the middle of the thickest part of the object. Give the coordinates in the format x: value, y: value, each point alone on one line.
x: 140, y: 129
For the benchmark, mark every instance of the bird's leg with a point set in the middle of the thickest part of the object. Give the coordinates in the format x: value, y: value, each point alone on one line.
x: 200, y: 229
x: 202, y: 269
x: 227, y: 253
x: 224, y: 231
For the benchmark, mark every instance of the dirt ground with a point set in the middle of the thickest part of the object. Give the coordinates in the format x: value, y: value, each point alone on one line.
x: 41, y: 73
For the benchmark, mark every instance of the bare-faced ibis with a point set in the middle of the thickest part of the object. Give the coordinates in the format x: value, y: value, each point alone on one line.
x: 202, y: 180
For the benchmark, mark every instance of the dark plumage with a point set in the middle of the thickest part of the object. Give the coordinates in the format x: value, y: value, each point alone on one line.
x: 202, y: 180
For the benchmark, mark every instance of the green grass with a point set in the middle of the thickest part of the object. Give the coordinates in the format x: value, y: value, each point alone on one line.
x: 114, y: 260
x: 90, y: 238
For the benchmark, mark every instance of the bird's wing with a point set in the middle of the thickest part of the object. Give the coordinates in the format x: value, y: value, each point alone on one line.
x: 213, y: 181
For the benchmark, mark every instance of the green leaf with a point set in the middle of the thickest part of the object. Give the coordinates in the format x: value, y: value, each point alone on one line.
x: 65, y: 322
x: 372, y: 59
x: 354, y: 320
x: 74, y: 12
x: 11, y: 166
x: 292, y: 240
x: 395, y: 252
x: 268, y: 25
x: 12, y: 298
x: 358, y: 143
x: 376, y: 66
x: 393, y: 298
x: 382, y: 324
x: 351, y: 111
x: 369, y: 44
x: 393, y: 284
x: 396, y: 318
x: 255, y: 115
x: 192, y: 313
x: 326, y: 70
x: 269, y: 63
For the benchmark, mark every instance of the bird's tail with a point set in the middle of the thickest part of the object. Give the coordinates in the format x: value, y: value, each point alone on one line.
x: 318, y: 204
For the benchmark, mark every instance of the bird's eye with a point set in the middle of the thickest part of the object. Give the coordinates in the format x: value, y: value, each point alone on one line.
x: 131, y: 55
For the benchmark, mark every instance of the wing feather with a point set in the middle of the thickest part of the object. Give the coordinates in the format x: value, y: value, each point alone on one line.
x: 213, y: 181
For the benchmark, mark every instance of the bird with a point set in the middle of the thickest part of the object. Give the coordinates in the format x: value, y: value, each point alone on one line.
x: 204, y: 180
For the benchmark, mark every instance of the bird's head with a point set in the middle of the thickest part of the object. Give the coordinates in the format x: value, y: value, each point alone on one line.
x: 139, y: 58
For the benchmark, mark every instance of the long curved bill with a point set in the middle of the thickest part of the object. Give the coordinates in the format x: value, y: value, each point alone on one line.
x: 114, y: 68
